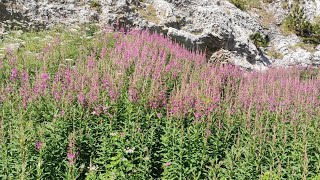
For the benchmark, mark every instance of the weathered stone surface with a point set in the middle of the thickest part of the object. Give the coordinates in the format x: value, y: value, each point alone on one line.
x: 216, y: 26
x: 207, y: 25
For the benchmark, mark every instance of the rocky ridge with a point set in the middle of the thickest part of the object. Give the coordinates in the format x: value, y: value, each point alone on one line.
x: 216, y: 26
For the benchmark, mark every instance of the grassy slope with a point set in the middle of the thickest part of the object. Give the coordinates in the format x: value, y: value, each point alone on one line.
x: 136, y: 106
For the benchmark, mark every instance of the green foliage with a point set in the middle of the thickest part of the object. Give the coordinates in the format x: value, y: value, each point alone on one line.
x: 96, y: 5
x: 259, y: 40
x: 131, y: 141
x: 268, y: 1
x: 309, y: 74
x: 241, y: 4
x: 274, y: 54
x: 248, y: 4
x: 297, y: 22
x: 269, y: 176
x: 91, y: 29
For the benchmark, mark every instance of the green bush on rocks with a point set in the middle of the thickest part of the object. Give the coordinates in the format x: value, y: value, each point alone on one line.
x: 298, y: 23
x: 260, y: 40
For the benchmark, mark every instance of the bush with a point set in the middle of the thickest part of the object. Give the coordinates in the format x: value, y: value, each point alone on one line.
x: 241, y: 4
x: 138, y: 106
x: 260, y: 40
x: 96, y: 6
x: 309, y: 74
x: 247, y: 4
x: 298, y: 23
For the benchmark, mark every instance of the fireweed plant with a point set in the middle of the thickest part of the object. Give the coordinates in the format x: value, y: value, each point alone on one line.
x: 136, y: 105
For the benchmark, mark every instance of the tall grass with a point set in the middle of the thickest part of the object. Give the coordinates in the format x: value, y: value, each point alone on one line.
x: 138, y: 106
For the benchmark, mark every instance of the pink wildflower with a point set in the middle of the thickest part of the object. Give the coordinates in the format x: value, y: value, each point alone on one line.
x: 62, y: 113
x: 38, y: 145
x: 71, y: 154
x: 14, y: 73
x: 122, y: 134
x: 71, y: 158
x: 90, y: 64
x: 81, y: 98
x: 167, y: 164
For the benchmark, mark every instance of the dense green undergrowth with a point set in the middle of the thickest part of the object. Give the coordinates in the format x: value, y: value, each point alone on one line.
x: 137, y: 106
x: 298, y: 23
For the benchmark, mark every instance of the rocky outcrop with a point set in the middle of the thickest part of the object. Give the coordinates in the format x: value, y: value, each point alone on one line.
x: 291, y: 48
x: 212, y: 25
x: 215, y: 26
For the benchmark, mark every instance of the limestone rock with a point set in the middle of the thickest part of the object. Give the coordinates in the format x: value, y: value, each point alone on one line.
x: 214, y: 26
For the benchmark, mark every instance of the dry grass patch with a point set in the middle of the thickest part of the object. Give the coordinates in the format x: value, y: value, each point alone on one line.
x: 266, y: 17
x: 275, y: 54
x: 305, y: 46
x: 149, y: 13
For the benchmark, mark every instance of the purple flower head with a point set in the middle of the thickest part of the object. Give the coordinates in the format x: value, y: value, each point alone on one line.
x: 122, y: 134
x: 105, y: 109
x: 71, y: 158
x: 103, y: 53
x: 56, y: 95
x: 167, y: 164
x: 12, y: 61
x: 71, y: 153
x: 38, y: 145
x: 97, y: 111
x: 133, y: 95
x: 45, y: 76
x: 159, y: 115
x: 91, y: 61
x: 14, y: 73
x: 9, y: 51
x: 62, y: 113
x: 90, y: 64
x: 57, y: 40
x: 81, y: 98
x: 24, y: 77
x: 208, y: 133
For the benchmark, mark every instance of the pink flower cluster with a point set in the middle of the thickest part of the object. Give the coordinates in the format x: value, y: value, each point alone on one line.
x: 154, y: 70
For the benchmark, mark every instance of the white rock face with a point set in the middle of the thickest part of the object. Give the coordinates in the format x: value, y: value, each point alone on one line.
x: 216, y: 26
x: 316, y: 57
x: 297, y: 57
x: 211, y: 25
x: 312, y: 9
x: 281, y: 9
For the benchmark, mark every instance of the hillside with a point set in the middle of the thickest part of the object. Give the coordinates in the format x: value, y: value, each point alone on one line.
x: 86, y: 104
x: 150, y: 95
x: 251, y: 33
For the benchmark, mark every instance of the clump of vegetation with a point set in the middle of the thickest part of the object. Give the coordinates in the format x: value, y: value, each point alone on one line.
x: 241, y: 4
x: 259, y: 40
x: 91, y: 29
x: 297, y: 22
x: 309, y: 73
x: 274, y: 54
x: 307, y: 46
x: 266, y: 18
x: 316, y: 20
x: 96, y: 6
x: 248, y: 4
x: 285, y: 4
x: 268, y: 1
x: 138, y: 106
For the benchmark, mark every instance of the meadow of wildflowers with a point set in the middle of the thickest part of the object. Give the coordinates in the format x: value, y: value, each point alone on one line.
x: 138, y: 106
